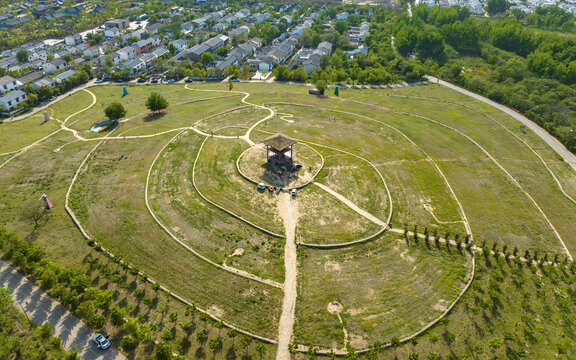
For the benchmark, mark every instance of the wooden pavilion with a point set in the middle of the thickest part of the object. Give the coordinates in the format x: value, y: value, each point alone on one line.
x: 279, y: 145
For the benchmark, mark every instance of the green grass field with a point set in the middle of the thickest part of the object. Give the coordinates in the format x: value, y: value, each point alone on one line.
x: 442, y: 155
x: 386, y: 289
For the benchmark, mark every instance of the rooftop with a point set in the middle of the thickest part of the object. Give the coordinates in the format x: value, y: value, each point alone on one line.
x: 279, y: 141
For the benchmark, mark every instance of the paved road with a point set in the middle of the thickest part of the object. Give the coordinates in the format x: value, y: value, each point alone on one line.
x: 41, y: 308
x: 569, y: 157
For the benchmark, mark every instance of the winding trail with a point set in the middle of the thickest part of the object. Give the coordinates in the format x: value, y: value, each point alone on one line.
x: 287, y: 210
x: 351, y: 205
x: 245, y: 137
x: 26, y: 148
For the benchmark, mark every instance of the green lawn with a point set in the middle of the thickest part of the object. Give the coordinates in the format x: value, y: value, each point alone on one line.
x: 109, y: 199
x: 18, y: 134
x: 386, y: 289
x: 204, y: 227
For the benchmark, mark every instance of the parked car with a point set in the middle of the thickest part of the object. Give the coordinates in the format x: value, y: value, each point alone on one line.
x: 98, y: 81
x: 141, y: 81
x: 189, y: 80
x: 170, y: 81
x: 293, y: 193
x: 154, y: 81
x: 261, y: 187
x: 236, y: 80
x: 101, y: 341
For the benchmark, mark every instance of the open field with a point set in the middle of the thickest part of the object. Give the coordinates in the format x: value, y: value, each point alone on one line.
x: 385, y: 288
x: 323, y: 219
x: 448, y: 161
x: 108, y: 199
x: 218, y: 179
x: 18, y: 134
x: 207, y: 229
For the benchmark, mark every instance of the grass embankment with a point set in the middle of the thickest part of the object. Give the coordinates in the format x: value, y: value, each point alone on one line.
x: 109, y: 200
x: 207, y: 229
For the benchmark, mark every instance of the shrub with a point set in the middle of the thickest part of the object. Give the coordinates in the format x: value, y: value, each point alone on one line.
x: 128, y: 343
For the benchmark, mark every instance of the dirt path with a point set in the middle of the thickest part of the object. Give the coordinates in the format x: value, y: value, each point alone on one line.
x: 351, y: 205
x: 288, y: 211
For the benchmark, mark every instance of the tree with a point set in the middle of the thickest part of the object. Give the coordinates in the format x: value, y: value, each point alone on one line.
x: 321, y: 86
x: 222, y: 52
x: 172, y: 49
x: 282, y: 73
x: 156, y: 102
x: 5, y: 302
x: 341, y: 26
x: 215, y: 345
x: 163, y: 351
x: 22, y: 56
x: 245, y: 73
x: 128, y: 343
x: 206, y: 58
x: 117, y: 316
x: 495, y: 344
x: 44, y: 92
x: 299, y: 75
x: 115, y: 111
x: 108, y: 60
x: 497, y: 6
x: 34, y: 212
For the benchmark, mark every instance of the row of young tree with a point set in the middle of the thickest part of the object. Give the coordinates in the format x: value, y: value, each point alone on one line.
x: 19, y: 338
x: 97, y: 306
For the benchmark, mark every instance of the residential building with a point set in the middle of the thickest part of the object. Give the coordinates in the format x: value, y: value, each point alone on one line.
x: 10, y: 101
x: 114, y: 56
x: 112, y: 32
x: 92, y: 51
x: 134, y: 66
x: 117, y: 23
x: 153, y: 28
x: 239, y: 31
x: 180, y: 45
x: 7, y: 84
x: 43, y: 82
x: 127, y: 53
x: 54, y: 66
x: 72, y: 40
x: 144, y: 46
x: 59, y: 79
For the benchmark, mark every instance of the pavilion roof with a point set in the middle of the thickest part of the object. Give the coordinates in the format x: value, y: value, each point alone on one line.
x: 279, y: 141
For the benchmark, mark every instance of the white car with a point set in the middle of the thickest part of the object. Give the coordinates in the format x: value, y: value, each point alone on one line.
x: 101, y: 341
x: 293, y: 193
